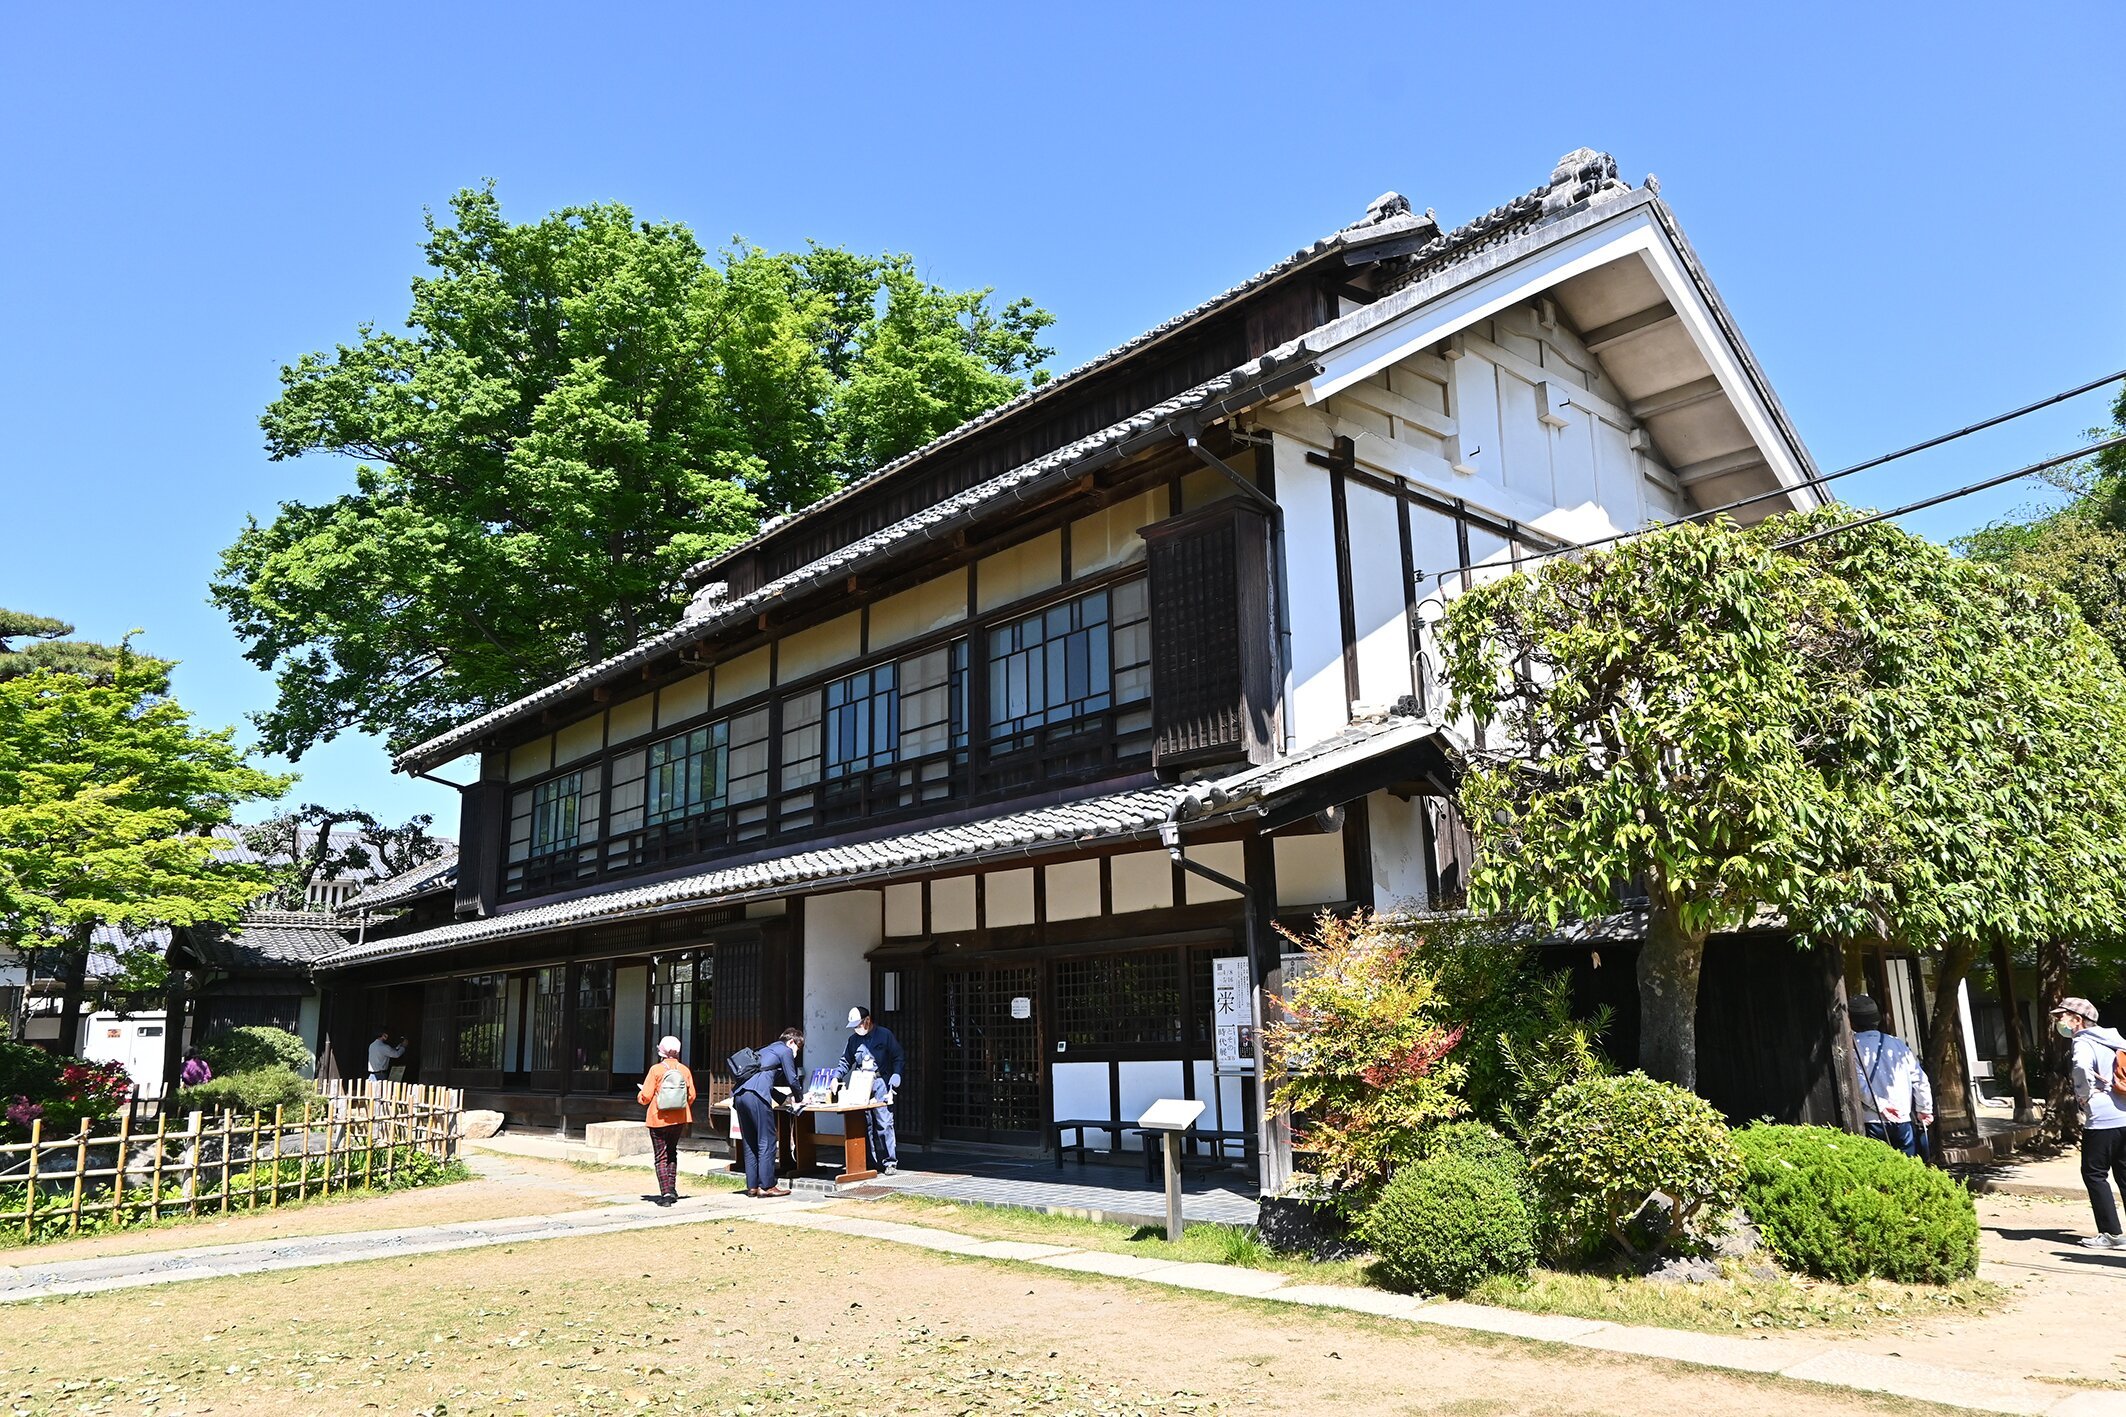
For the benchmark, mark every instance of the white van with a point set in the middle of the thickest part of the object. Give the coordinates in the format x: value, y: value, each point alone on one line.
x: 133, y: 1041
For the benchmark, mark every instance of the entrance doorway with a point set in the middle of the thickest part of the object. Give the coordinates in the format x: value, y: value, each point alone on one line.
x: 991, y: 1058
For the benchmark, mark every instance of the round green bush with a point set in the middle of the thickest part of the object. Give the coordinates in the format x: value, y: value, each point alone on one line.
x: 1603, y: 1147
x: 1445, y: 1225
x: 1848, y: 1208
x: 246, y: 1050
x: 260, y: 1090
x: 1479, y: 1144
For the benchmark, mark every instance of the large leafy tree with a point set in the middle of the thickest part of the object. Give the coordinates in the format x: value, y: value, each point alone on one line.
x: 108, y: 794
x: 1857, y: 733
x: 578, y: 409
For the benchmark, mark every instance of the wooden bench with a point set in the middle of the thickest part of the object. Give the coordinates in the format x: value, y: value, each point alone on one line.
x: 1081, y: 1125
x: 1216, y: 1137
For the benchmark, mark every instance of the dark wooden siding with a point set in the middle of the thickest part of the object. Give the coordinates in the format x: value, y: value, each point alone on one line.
x: 483, y: 822
x: 1213, y: 637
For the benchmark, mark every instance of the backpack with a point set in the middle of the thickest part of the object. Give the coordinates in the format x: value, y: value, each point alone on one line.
x: 672, y: 1089
x: 743, y: 1064
x: 2118, y: 1075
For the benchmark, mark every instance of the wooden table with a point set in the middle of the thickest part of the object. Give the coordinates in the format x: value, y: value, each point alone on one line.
x: 797, y: 1141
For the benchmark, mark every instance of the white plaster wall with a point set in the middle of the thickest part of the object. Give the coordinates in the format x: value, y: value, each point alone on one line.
x: 1144, y: 1083
x: 1377, y: 596
x: 1314, y: 679
x: 1398, y: 851
x: 904, y: 910
x: 840, y: 929
x: 1222, y: 1108
x: 1079, y: 1090
x: 952, y: 904
x: 631, y: 1002
x: 1007, y: 897
x: 306, y: 1020
x: 1228, y: 857
x: 1310, y: 869
x: 1072, y: 891
x: 1142, y: 880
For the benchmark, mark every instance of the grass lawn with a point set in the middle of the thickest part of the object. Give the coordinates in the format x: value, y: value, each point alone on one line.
x: 730, y: 1318
x: 1743, y: 1300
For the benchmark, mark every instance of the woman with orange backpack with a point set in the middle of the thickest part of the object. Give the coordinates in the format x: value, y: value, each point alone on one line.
x: 668, y: 1092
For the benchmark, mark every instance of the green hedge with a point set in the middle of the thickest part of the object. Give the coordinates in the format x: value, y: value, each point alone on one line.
x: 1483, y: 1145
x: 1602, y: 1148
x: 1446, y: 1224
x: 257, y: 1047
x: 260, y: 1090
x: 1848, y: 1208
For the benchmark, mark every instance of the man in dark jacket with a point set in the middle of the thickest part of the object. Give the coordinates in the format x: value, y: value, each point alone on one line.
x: 872, y: 1045
x: 754, y: 1101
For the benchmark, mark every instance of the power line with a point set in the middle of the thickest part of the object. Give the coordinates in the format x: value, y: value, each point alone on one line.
x: 1964, y: 491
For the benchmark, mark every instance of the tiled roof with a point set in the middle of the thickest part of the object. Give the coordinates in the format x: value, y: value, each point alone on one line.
x: 1113, y: 817
x: 235, y: 848
x: 427, y: 878
x: 1388, y: 215
x: 268, y: 941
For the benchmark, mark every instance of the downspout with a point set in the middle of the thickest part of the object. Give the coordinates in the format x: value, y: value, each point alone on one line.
x: 1280, y: 594
x: 1273, y: 1154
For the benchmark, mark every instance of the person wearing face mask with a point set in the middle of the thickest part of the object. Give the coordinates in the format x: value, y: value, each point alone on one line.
x: 2103, y: 1114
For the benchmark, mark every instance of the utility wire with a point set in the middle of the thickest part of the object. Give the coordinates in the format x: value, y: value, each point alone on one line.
x: 1966, y: 490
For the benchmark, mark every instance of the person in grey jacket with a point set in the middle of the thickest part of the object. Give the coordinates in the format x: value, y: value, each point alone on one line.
x: 754, y: 1101
x: 2103, y: 1116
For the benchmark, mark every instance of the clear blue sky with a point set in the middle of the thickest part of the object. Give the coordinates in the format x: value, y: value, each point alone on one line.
x: 1915, y: 213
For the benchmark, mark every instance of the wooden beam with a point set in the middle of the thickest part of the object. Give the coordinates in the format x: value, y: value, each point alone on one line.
x: 1682, y: 396
x: 1371, y: 395
x: 1654, y: 317
x: 1741, y: 460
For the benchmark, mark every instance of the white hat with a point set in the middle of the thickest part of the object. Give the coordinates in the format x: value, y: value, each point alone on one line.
x: 668, y: 1046
x: 856, y: 1016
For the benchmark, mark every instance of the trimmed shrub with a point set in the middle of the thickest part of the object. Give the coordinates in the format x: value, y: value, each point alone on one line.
x: 260, y: 1090
x: 249, y: 1049
x: 1446, y: 1224
x: 1848, y: 1208
x: 1482, y: 1146
x: 1603, y: 1148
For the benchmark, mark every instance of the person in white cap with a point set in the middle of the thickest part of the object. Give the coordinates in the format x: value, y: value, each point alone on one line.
x: 2103, y: 1114
x: 872, y: 1045
x: 668, y: 1092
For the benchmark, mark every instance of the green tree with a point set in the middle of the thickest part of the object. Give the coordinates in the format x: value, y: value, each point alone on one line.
x: 49, y: 648
x: 1644, y: 708
x: 317, y: 843
x: 579, y: 408
x: 1860, y: 732
x: 108, y: 793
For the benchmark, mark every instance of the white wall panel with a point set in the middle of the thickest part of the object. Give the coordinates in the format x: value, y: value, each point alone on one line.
x: 952, y: 904
x: 1310, y: 869
x: 1319, y: 705
x: 1226, y: 856
x: 1143, y: 880
x: 840, y: 929
x: 1377, y: 594
x: 1222, y: 1109
x: 1398, y: 851
x: 1144, y: 1083
x: 1079, y: 1090
x: 631, y: 1003
x: 1007, y: 898
x: 1072, y: 891
x: 904, y: 909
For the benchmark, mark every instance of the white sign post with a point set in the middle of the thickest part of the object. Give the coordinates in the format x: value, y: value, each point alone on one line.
x: 1233, y: 1016
x: 1170, y: 1117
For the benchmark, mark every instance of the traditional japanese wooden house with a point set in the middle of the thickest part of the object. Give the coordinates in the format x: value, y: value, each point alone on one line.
x: 1017, y: 736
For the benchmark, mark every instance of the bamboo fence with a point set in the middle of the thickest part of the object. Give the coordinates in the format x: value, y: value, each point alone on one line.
x: 351, y: 1135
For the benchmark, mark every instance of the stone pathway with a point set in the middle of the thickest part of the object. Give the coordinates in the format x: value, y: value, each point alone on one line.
x: 1805, y: 1360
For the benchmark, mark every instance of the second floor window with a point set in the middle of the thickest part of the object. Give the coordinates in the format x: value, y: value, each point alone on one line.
x: 687, y: 774
x: 555, y: 805
x: 862, y: 725
x: 1069, y: 662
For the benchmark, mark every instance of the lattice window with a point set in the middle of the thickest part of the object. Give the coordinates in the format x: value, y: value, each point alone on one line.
x: 684, y: 1005
x: 555, y: 807
x: 549, y: 994
x: 1075, y: 659
x: 479, y: 1023
x: 1119, y: 1000
x: 686, y: 774
x: 593, y: 1042
x: 861, y: 730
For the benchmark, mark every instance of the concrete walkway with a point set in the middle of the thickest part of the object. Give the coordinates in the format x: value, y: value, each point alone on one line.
x: 1801, y: 1359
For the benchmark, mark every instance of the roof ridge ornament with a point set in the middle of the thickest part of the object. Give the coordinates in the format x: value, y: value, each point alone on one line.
x: 1388, y: 204
x: 1579, y: 175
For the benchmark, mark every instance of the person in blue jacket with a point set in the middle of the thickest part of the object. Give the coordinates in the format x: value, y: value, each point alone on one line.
x: 754, y: 1101
x: 872, y: 1045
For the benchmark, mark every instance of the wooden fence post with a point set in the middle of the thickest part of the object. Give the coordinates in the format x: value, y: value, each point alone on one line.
x: 29, y: 1199
x: 162, y: 1122
x: 273, y: 1198
x: 125, y: 1135
x: 81, y: 1166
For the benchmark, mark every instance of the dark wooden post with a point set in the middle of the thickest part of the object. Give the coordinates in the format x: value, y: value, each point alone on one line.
x: 2011, y: 1014
x: 1843, y: 1079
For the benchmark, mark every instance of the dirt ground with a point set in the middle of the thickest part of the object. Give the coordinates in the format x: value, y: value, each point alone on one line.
x: 499, y: 1188
x: 741, y: 1319
x: 2054, y: 1321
